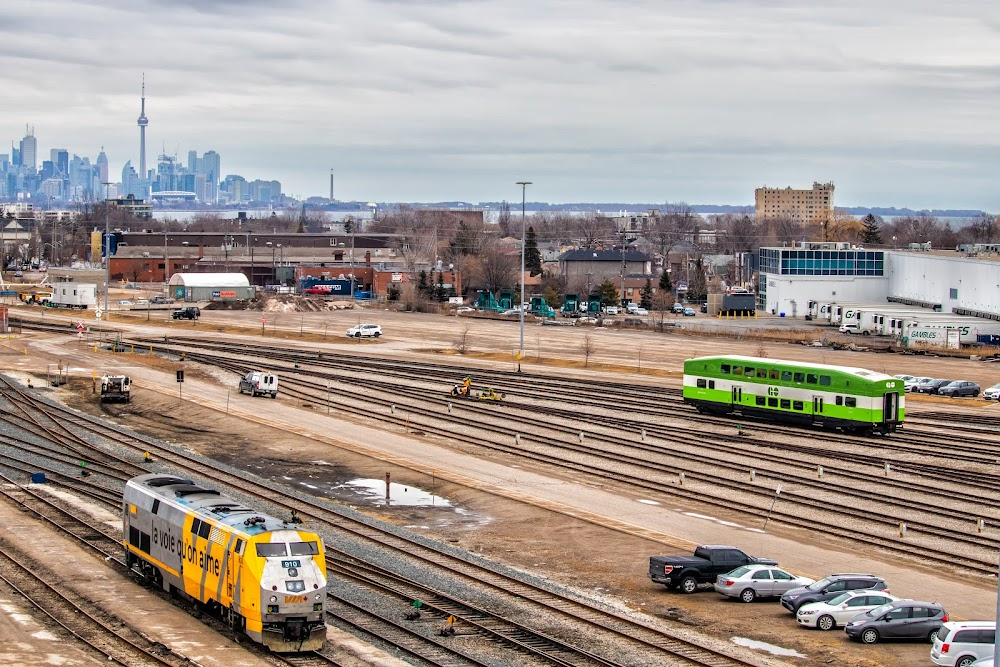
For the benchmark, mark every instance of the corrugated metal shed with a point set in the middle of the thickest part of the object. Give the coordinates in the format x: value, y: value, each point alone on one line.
x: 209, y: 280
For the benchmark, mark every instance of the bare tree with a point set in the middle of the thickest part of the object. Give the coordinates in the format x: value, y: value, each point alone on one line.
x: 592, y: 229
x: 504, y: 219
x: 983, y: 228
x: 587, y: 347
x: 462, y: 342
x: 499, y: 269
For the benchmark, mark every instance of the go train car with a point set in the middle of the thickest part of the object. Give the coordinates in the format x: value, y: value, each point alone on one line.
x: 263, y: 576
x: 854, y: 400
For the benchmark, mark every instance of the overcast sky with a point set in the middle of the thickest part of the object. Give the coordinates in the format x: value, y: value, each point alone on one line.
x: 897, y: 103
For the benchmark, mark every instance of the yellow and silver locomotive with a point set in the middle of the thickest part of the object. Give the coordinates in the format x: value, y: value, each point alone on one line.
x: 264, y: 576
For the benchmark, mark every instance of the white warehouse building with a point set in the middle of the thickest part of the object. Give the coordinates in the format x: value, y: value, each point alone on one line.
x: 790, y: 277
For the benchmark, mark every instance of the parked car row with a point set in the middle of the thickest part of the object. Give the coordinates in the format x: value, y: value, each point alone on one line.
x: 859, y: 603
x: 941, y: 387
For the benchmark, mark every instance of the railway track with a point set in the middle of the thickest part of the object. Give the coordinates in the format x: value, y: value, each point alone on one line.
x: 660, y: 642
x: 911, y: 512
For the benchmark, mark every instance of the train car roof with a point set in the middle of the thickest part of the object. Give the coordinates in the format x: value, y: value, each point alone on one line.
x: 760, y: 361
x: 209, y: 504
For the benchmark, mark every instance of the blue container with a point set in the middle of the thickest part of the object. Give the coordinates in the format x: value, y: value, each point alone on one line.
x: 38, y: 478
x: 782, y: 315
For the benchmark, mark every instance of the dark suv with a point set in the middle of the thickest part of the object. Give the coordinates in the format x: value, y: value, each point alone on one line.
x: 830, y: 587
x: 189, y: 313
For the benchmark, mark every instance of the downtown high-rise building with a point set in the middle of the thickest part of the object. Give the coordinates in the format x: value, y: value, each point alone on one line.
x: 29, y: 150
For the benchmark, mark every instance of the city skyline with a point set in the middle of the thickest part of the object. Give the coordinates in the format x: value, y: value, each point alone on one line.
x: 434, y: 101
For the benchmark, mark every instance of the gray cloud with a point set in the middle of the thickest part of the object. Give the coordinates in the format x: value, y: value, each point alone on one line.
x: 430, y: 100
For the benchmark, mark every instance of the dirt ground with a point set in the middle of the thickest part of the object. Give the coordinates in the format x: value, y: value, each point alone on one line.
x: 572, y: 551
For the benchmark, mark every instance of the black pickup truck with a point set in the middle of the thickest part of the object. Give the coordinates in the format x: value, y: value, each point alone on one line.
x: 709, y: 560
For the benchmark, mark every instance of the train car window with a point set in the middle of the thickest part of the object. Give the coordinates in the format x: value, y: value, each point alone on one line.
x: 762, y: 373
x: 724, y: 369
x: 796, y: 405
x: 156, y: 505
x: 811, y: 378
x: 800, y: 377
x: 786, y: 404
x: 824, y: 380
x: 205, y: 529
x: 772, y: 402
x: 267, y: 549
x: 840, y: 400
x: 711, y: 384
x: 239, y: 546
x: 749, y: 371
x: 304, y: 548
x: 702, y: 383
x: 786, y: 376
x: 851, y: 402
x: 759, y: 400
x: 195, y: 525
x: 737, y: 370
x: 773, y: 374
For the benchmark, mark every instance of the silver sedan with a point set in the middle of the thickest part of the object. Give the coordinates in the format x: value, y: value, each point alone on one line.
x: 750, y: 582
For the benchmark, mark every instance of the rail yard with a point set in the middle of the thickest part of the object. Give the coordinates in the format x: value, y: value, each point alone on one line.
x: 537, y: 511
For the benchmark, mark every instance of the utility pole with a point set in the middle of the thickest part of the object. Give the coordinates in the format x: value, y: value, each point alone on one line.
x: 106, y: 250
x: 623, y: 270
x: 524, y: 185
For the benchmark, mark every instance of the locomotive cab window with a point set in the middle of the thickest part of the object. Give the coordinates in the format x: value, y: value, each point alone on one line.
x: 851, y: 402
x: 824, y: 380
x: 269, y: 549
x: 304, y: 548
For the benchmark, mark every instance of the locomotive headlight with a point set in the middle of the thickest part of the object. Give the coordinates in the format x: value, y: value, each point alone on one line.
x: 317, y: 597
x: 273, y: 598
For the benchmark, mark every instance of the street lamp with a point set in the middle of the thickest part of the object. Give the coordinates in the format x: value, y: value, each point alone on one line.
x: 524, y: 185
x: 105, y: 250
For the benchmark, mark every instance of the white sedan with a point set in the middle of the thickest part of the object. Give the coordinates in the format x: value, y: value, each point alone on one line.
x: 365, y: 331
x: 841, y: 609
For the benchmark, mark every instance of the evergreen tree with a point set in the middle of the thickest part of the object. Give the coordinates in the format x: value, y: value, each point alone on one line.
x: 665, y: 284
x: 532, y: 258
x: 870, y: 233
x: 422, y: 285
x: 440, y: 293
x: 608, y: 292
x: 393, y: 292
x: 646, y: 295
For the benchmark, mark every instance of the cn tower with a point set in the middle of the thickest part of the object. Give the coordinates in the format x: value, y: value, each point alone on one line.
x: 143, y: 122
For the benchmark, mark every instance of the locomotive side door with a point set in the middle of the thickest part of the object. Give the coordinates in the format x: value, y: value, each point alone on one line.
x: 737, y: 396
x: 890, y: 408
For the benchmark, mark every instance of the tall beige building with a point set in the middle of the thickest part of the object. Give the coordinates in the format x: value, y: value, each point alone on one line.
x: 814, y: 205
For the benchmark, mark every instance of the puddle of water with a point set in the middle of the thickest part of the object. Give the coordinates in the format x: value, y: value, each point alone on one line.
x: 764, y: 646
x: 399, y: 495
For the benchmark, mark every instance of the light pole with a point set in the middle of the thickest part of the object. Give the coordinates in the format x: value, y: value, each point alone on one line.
x: 524, y: 185
x: 105, y: 250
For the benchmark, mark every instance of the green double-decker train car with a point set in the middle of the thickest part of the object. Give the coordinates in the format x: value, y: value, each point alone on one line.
x: 855, y: 400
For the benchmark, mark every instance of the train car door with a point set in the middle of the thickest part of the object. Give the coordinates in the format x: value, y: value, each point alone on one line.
x: 737, y: 395
x: 818, y: 415
x: 890, y: 408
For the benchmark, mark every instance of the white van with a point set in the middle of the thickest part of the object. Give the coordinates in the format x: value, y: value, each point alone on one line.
x: 259, y: 382
x: 961, y: 643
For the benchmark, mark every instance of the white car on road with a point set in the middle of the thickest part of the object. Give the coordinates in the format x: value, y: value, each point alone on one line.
x: 365, y: 331
x: 836, y: 612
